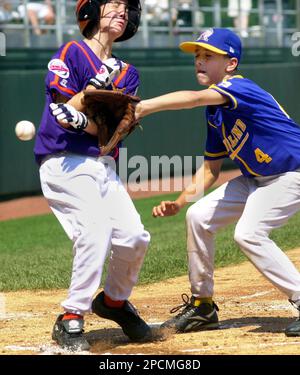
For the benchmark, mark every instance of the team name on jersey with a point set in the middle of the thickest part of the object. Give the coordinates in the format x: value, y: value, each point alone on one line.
x: 237, y: 138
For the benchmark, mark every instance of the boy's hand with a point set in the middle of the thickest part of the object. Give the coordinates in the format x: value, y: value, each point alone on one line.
x: 166, y: 208
x: 138, y: 111
x: 107, y: 73
x: 67, y: 115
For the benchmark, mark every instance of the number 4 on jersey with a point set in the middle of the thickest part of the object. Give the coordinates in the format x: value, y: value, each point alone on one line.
x: 261, y: 157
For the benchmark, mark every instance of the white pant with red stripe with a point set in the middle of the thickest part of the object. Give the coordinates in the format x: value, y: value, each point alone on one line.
x: 260, y: 205
x: 98, y: 215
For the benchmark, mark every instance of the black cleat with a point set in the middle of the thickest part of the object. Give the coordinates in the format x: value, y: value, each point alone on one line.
x: 127, y: 317
x: 293, y: 330
x: 69, y: 334
x: 193, y: 318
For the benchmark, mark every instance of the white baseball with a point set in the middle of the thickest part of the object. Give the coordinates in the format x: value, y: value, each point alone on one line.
x: 25, y: 130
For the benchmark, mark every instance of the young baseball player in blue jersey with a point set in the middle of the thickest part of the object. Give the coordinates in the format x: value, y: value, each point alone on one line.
x: 245, y: 123
x: 82, y: 190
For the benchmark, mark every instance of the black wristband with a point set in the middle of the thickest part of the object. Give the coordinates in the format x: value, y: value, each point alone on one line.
x: 84, y: 121
x: 94, y: 82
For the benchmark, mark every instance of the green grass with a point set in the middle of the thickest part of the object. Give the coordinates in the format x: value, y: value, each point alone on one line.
x: 35, y: 253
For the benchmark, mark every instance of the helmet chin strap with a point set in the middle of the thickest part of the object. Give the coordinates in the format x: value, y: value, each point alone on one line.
x: 97, y: 39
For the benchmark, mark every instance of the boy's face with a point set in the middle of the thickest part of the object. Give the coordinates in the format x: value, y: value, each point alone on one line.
x: 114, y: 17
x: 212, y: 67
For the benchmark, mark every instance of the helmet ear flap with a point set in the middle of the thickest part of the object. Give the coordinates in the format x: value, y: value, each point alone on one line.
x: 134, y: 16
x: 88, y: 14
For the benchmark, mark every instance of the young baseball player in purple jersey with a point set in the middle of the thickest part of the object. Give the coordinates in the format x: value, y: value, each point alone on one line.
x: 247, y: 124
x: 82, y: 190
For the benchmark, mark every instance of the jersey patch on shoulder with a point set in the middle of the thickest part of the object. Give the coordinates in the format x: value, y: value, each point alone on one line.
x: 225, y: 84
x: 64, y: 83
x: 59, y: 68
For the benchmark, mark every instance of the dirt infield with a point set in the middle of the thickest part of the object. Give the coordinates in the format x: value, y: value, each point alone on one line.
x: 253, y: 316
x: 253, y: 313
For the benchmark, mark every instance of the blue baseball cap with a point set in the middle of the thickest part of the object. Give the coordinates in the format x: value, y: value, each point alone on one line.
x: 219, y: 40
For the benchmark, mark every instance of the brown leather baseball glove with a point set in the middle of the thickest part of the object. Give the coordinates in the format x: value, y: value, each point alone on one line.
x: 113, y: 113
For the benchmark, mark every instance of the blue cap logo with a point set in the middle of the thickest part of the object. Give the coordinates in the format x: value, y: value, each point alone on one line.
x: 205, y: 36
x: 218, y: 40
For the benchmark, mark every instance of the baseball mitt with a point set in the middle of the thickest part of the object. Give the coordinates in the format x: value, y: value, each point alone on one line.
x: 113, y: 113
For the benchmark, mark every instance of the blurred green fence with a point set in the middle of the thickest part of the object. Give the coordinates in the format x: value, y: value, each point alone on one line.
x: 180, y: 133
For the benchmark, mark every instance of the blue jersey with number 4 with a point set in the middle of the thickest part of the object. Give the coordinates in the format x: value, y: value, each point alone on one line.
x: 253, y: 130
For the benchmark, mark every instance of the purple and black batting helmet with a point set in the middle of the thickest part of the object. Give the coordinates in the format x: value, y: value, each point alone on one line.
x: 88, y: 16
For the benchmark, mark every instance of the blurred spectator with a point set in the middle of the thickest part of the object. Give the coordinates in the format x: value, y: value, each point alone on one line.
x: 38, y: 12
x: 5, y: 11
x: 182, y: 13
x: 240, y: 11
x: 157, y: 11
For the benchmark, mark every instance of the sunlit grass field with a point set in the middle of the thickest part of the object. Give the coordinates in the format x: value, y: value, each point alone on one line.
x: 35, y: 253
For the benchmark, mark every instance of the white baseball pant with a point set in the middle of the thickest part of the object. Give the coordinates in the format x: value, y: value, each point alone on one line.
x: 260, y: 205
x: 98, y: 215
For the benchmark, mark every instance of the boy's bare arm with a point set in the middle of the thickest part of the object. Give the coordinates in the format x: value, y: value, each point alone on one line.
x: 76, y: 100
x: 203, y: 179
x: 180, y: 100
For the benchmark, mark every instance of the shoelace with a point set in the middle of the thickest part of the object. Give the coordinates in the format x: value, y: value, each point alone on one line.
x: 294, y: 304
x: 187, y: 302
